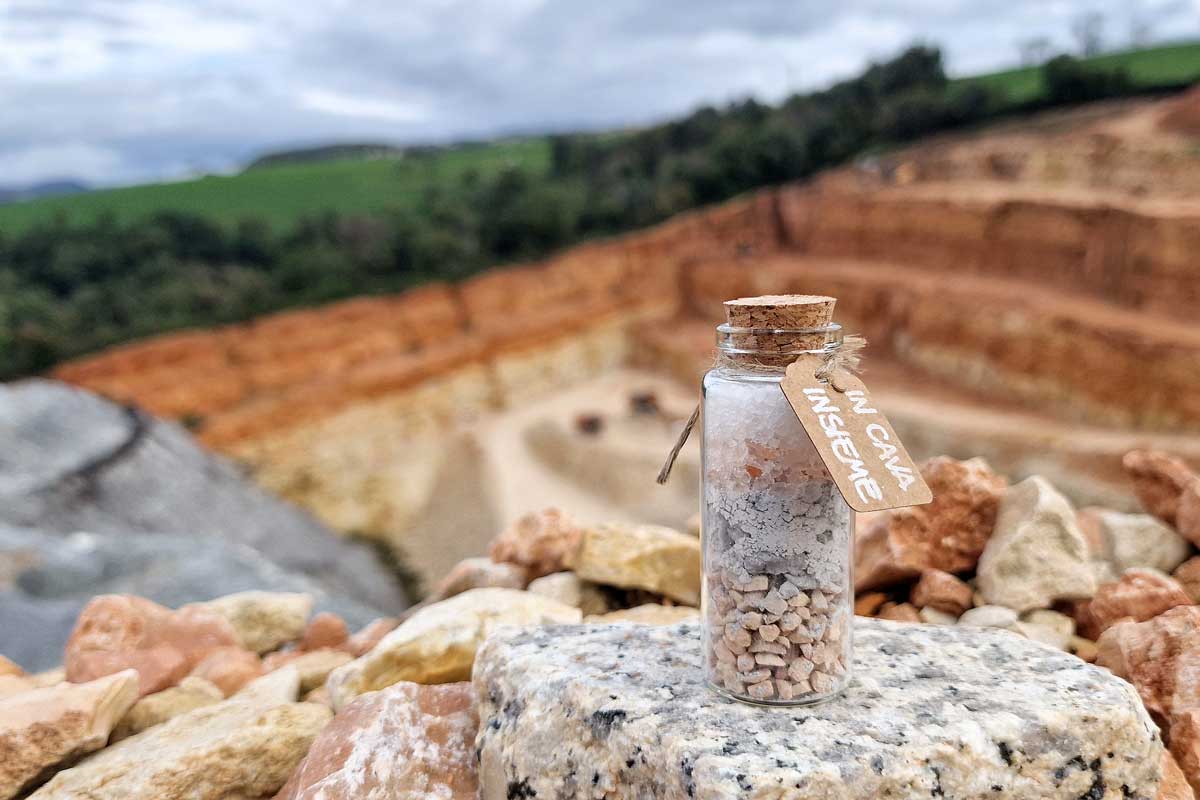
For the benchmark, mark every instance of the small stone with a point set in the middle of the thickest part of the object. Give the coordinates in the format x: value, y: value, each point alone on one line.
x: 571, y: 590
x: 723, y: 653
x: 821, y: 683
x: 117, y: 632
x: 437, y: 644
x: 1128, y: 541
x: 754, y: 676
x: 817, y: 600
x: 325, y: 630
x: 264, y: 621
x: 1188, y: 576
x: 243, y: 747
x: 738, y: 641
x: 1036, y: 554
x: 783, y: 689
x: 932, y: 616
x: 44, y: 727
x: 799, y: 669
x: 315, y: 666
x: 769, y: 660
x: 801, y: 635
x: 758, y: 583
x: 751, y: 600
x: 480, y: 573
x: 788, y: 590
x: 1140, y: 594
x: 989, y: 617
x: 1187, y: 518
x: 745, y: 662
x: 751, y: 620
x: 1084, y: 648
x: 947, y: 534
x: 405, y: 742
x: 1184, y: 736
x: 899, y: 612
x: 799, y: 601
x: 761, y: 691
x: 868, y: 605
x: 769, y: 633
x: 159, y: 707
x: 541, y: 542
x: 1158, y: 656
x: 650, y: 557
x: 1159, y: 480
x: 774, y: 603
x: 941, y: 591
x: 776, y: 647
x: 1174, y: 784
x: 229, y: 668
x: 9, y: 668
x: 789, y: 622
x: 365, y: 640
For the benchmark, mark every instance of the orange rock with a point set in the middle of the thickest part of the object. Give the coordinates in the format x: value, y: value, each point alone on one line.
x: 1187, y: 517
x: 9, y: 668
x: 942, y: 591
x: 324, y: 630
x: 868, y: 605
x: 480, y: 573
x: 407, y: 740
x: 116, y: 632
x: 540, y: 541
x: 899, y: 612
x: 1188, y: 575
x: 947, y: 534
x: 1158, y: 480
x: 365, y: 640
x: 1174, y: 784
x: 229, y: 668
x: 1140, y: 594
x: 1160, y: 657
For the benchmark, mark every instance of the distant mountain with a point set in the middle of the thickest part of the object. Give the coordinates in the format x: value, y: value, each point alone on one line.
x: 332, y: 152
x: 13, y: 194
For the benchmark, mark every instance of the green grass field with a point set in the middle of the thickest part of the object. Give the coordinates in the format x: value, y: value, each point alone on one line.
x: 281, y: 194
x: 1155, y: 66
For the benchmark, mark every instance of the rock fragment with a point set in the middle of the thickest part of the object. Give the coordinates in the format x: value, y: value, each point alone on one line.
x: 406, y: 742
x: 942, y: 591
x: 650, y: 557
x: 365, y: 640
x: 264, y: 621
x: 325, y: 630
x: 900, y: 612
x: 117, y: 632
x: 1037, y: 554
x: 989, y: 617
x: 571, y: 590
x: 159, y: 707
x: 479, y: 573
x: 42, y: 728
x: 540, y: 542
x: 229, y: 668
x: 647, y: 614
x: 1128, y: 541
x: 1140, y: 594
x: 437, y: 644
x: 1159, y: 480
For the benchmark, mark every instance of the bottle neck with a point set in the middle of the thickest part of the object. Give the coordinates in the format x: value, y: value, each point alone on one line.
x: 769, y: 351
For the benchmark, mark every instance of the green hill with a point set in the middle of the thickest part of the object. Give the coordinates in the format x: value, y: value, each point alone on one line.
x: 279, y: 195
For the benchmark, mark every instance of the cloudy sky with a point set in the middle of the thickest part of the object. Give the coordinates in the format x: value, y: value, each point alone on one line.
x: 122, y: 91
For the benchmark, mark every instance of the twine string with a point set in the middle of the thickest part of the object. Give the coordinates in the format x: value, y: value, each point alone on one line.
x: 847, y: 357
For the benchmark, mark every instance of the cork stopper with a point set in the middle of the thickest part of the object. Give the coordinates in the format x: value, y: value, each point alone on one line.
x: 786, y: 312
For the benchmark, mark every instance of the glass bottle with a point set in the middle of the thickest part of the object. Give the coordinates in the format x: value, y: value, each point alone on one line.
x: 777, y: 535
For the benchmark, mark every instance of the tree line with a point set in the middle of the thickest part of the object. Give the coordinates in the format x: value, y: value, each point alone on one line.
x: 68, y: 288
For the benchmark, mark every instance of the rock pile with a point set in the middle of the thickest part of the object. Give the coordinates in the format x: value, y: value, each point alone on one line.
x: 581, y: 643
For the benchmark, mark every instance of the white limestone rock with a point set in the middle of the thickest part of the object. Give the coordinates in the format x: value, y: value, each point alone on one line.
x: 1036, y: 553
x: 933, y: 711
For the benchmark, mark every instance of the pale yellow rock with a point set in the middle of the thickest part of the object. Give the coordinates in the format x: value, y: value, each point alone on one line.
x: 648, y: 614
x: 650, y: 557
x: 241, y: 748
x: 932, y: 616
x: 15, y: 684
x: 571, y: 590
x: 264, y: 621
x: 51, y: 677
x: 43, y: 727
x: 314, y: 667
x: 157, y: 708
x: 437, y: 644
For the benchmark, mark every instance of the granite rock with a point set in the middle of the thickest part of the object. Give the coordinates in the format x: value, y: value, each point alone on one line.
x: 244, y: 747
x: 405, y: 742
x: 437, y: 644
x: 159, y: 707
x: 264, y: 621
x: 649, y: 557
x: 623, y: 711
x: 947, y: 534
x: 42, y: 728
x: 1159, y: 480
x: 647, y: 614
x: 74, y: 461
x: 1037, y: 554
x: 1140, y: 594
x: 571, y: 590
x: 117, y: 632
x: 540, y: 542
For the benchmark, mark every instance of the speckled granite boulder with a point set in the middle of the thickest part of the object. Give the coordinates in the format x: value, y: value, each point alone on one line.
x: 622, y: 711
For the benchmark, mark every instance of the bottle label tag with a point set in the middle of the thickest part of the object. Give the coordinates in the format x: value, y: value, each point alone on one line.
x: 860, y: 449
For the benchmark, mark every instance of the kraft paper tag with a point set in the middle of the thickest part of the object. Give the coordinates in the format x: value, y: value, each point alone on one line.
x: 868, y: 463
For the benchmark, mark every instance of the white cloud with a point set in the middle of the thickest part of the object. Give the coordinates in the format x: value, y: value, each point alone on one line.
x: 124, y: 89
